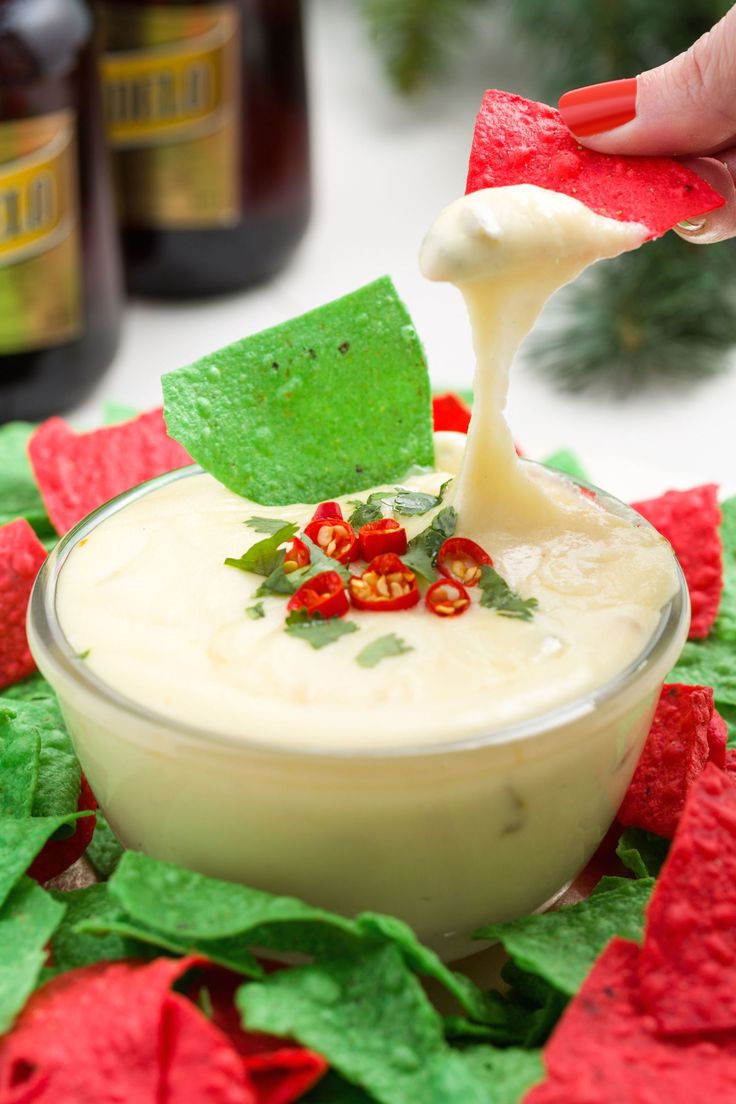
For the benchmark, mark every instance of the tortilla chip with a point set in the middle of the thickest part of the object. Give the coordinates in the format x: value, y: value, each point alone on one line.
x: 690, y: 521
x: 77, y: 472
x: 96, y: 1029
x: 675, y: 754
x: 519, y: 141
x: 21, y: 556
x: 688, y: 963
x: 605, y: 1049
x: 59, y: 854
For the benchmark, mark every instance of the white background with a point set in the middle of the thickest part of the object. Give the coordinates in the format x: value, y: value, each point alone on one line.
x: 383, y: 169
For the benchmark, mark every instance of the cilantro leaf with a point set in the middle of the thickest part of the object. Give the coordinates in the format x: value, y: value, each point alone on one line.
x: 423, y: 549
x: 382, y: 648
x: 319, y: 561
x: 283, y: 582
x: 255, y: 612
x: 364, y: 512
x: 266, y: 525
x: 414, y: 503
x: 498, y: 595
x: 261, y: 558
x: 315, y: 629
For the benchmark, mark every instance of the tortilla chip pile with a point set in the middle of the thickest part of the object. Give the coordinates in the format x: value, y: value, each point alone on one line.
x: 145, y: 987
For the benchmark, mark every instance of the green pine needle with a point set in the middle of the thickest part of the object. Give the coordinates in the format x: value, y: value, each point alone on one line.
x: 664, y: 312
x: 415, y: 37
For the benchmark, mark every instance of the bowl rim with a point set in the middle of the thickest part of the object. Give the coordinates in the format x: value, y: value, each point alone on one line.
x: 47, y: 638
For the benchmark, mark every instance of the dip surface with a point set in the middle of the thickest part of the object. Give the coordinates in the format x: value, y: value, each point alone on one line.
x: 147, y: 597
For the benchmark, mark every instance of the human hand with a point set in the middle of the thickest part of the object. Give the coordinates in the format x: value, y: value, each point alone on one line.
x: 685, y: 108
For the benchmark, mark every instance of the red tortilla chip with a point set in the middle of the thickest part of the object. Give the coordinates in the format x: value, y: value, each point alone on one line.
x: 198, y: 1063
x: 606, y: 1050
x: 449, y: 411
x: 77, y: 472
x: 717, y: 740
x: 690, y: 521
x: 58, y: 854
x: 92, y: 1034
x: 730, y: 765
x: 519, y: 141
x: 675, y: 754
x: 21, y: 556
x: 688, y: 962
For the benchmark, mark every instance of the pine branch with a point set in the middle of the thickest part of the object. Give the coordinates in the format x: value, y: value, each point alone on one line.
x: 666, y: 311
x: 416, y: 37
x: 584, y: 41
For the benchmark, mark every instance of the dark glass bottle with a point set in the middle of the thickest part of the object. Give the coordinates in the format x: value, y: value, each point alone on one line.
x: 207, y: 116
x: 60, y: 285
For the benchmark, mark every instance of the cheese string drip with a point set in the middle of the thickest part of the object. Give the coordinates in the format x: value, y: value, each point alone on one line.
x: 507, y: 250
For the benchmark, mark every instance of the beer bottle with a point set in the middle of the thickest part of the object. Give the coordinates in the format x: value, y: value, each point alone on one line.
x: 207, y: 117
x: 60, y: 286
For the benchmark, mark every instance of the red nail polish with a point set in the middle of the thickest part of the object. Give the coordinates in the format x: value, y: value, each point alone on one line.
x: 599, y: 107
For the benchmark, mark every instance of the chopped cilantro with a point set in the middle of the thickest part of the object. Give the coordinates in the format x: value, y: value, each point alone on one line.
x: 255, y: 612
x: 266, y: 525
x: 421, y: 555
x: 315, y: 630
x: 498, y: 595
x: 319, y: 561
x: 382, y: 648
x: 414, y: 503
x: 282, y: 582
x: 364, y: 512
x: 262, y: 557
x: 84, y: 655
x: 279, y: 581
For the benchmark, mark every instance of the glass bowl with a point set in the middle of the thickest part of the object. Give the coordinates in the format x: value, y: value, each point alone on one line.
x: 449, y: 837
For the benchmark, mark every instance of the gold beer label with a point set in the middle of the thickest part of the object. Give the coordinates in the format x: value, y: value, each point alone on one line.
x: 40, y: 276
x: 170, y: 78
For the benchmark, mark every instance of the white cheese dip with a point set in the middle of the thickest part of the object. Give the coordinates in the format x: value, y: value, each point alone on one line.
x: 147, y: 597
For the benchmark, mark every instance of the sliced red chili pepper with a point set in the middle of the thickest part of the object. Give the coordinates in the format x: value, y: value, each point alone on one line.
x: 297, y: 555
x: 335, y: 537
x: 386, y: 584
x: 447, y: 598
x: 324, y: 594
x: 327, y: 510
x: 377, y: 537
x: 461, y: 559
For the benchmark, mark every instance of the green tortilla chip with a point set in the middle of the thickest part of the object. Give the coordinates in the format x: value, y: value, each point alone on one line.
x: 105, y: 850
x: 20, y: 842
x: 333, y: 401
x: 72, y: 948
x: 33, y: 688
x: 19, y: 756
x: 59, y: 774
x: 642, y: 852
x: 27, y: 921
x: 369, y: 1016
x: 19, y: 495
x: 507, y: 1073
x: 561, y: 946
x: 567, y: 462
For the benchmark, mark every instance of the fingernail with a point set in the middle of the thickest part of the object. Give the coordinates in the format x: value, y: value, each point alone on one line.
x: 599, y: 107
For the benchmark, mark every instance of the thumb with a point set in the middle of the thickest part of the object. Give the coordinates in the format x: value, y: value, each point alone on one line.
x: 685, y: 107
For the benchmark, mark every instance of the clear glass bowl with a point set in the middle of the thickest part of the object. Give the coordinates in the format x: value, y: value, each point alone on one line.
x: 449, y: 837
